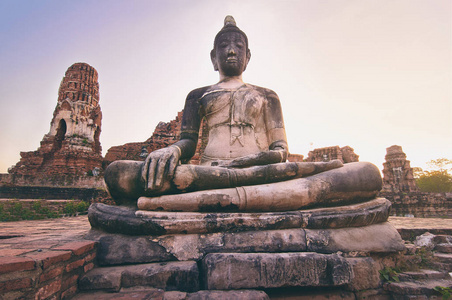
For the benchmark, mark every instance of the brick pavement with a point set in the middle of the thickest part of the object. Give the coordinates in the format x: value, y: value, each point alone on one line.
x: 44, y: 258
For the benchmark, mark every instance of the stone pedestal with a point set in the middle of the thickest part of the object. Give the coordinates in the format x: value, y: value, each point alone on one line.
x: 334, y: 247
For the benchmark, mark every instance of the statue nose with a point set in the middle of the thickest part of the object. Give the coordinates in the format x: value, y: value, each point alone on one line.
x: 231, y: 51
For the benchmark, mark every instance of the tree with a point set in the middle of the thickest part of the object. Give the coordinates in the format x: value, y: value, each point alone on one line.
x: 438, y: 180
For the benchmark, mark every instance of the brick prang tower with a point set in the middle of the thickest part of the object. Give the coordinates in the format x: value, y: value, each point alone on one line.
x: 72, y: 146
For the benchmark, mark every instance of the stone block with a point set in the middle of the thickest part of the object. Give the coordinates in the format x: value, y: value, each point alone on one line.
x: 195, y: 246
x: 14, y: 263
x: 115, y: 249
x: 373, y: 238
x: 366, y: 274
x: 171, y: 276
x: 108, y: 279
x: 265, y: 270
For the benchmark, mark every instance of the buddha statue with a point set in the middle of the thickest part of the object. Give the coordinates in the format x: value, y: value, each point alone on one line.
x: 243, y: 167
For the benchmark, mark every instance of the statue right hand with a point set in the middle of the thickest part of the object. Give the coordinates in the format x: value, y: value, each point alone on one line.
x: 159, y: 167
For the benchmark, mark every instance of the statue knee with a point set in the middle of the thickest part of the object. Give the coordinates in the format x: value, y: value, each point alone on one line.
x: 123, y: 180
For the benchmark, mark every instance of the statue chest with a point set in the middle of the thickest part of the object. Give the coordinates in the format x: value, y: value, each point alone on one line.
x: 241, y: 107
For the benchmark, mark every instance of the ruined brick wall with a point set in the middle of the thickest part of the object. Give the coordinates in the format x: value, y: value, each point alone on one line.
x: 53, y: 180
x: 345, y: 154
x: 397, y: 172
x: 72, y: 145
x: 295, y: 157
x: 420, y: 205
x: 52, y: 193
x: 165, y: 134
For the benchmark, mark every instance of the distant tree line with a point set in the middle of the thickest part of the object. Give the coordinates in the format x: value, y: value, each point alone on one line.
x: 438, y: 179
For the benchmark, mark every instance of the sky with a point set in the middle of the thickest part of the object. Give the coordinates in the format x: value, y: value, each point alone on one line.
x: 364, y: 73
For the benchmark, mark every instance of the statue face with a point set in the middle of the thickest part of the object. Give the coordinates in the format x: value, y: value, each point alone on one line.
x: 231, y: 54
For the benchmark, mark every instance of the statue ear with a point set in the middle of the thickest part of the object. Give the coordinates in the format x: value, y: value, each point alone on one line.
x: 213, y: 58
x: 248, y: 57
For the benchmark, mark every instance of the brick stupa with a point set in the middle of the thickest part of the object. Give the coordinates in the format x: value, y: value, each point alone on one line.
x: 72, y: 146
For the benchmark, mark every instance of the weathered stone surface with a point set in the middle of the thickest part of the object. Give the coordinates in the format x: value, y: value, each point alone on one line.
x: 265, y: 270
x: 362, y: 214
x: 102, y: 279
x: 140, y: 249
x: 117, y: 249
x: 117, y: 219
x: 129, y: 221
x: 173, y: 276
x: 366, y: 275
x: 373, y: 238
x: 195, y: 246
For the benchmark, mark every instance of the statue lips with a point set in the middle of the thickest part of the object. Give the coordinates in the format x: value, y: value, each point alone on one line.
x: 232, y: 60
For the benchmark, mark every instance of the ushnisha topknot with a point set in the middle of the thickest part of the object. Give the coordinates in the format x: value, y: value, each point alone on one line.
x: 230, y: 26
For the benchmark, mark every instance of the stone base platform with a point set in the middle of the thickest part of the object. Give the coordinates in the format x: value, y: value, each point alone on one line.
x: 336, y: 248
x: 130, y: 221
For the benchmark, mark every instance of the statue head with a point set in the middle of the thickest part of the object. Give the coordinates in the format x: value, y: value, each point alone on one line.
x: 230, y: 54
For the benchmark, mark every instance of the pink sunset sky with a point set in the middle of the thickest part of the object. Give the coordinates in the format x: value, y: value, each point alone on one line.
x: 363, y: 73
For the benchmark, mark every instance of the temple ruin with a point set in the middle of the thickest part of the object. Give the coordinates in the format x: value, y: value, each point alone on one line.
x: 72, y: 146
x: 345, y: 154
x: 397, y: 172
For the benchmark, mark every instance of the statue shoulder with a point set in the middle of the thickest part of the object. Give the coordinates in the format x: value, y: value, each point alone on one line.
x: 196, y: 94
x: 268, y: 93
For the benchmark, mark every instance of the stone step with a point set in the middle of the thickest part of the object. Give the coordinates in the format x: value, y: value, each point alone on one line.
x: 444, y: 248
x: 171, y: 276
x: 441, y: 266
x: 141, y: 293
x: 442, y: 239
x: 423, y: 275
x: 420, y: 287
x: 443, y: 257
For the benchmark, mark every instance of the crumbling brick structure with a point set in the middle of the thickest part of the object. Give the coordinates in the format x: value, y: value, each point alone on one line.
x: 397, y: 172
x: 72, y: 146
x: 165, y: 134
x: 345, y: 154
